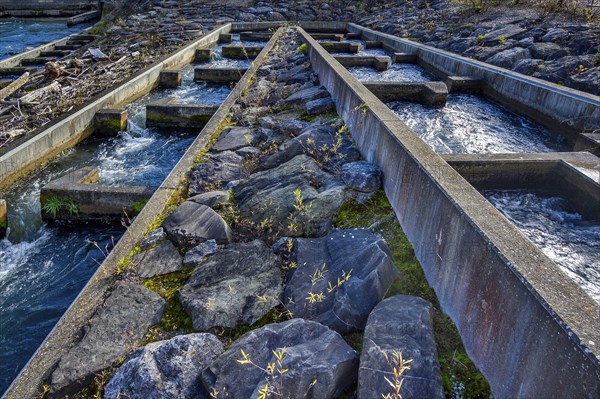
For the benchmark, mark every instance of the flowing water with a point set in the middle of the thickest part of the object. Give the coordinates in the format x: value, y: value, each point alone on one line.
x: 561, y: 233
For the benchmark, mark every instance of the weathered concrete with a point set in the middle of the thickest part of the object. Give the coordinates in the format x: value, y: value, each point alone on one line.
x: 342, y: 47
x: 508, y: 300
x: 373, y: 44
x: 404, y: 58
x: 377, y: 62
x: 241, y: 52
x: 171, y: 79
x: 220, y: 75
x: 225, y: 38
x: 44, y: 8
x: 328, y: 36
x: 255, y: 36
x: 83, y: 17
x: 179, y: 115
x: 464, y: 84
x: 310, y: 26
x: 15, y: 71
x: 588, y: 142
x: 203, y: 55
x: 3, y: 219
x: 430, y: 93
x: 36, y: 61
x: 110, y: 121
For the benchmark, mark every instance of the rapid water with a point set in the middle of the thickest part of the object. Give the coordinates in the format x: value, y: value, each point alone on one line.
x: 16, y: 35
x: 473, y: 125
x: 551, y: 224
x: 219, y: 61
x: 395, y: 73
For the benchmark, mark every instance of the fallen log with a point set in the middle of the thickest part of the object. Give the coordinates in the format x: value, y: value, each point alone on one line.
x: 14, y: 86
x: 40, y: 93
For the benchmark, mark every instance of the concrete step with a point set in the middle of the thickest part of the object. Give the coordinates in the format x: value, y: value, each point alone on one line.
x: 179, y: 115
x: 328, y: 36
x: 36, y: 61
x: 241, y: 52
x: 16, y: 71
x: 342, y: 47
x: 429, y: 93
x: 256, y: 36
x: 378, y: 62
x: 219, y: 75
x: 54, y: 53
x: 67, y: 47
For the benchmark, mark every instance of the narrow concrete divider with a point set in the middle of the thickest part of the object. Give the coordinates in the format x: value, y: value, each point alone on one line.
x: 170, y: 79
x: 179, y: 115
x: 588, y: 142
x: 328, y: 36
x: 219, y: 75
x: 377, y: 62
x: 429, y: 93
x: 83, y: 17
x: 68, y: 328
x: 342, y: 47
x: 404, y: 58
x: 464, y: 84
x: 531, y: 330
x: 110, y: 121
x: 255, y: 36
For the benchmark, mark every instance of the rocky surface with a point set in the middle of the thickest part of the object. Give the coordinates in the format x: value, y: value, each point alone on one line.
x: 195, y: 255
x: 191, y: 224
x: 362, y: 176
x: 320, y: 363
x: 162, y: 259
x: 166, y: 369
x: 352, y: 269
x: 215, y: 171
x: 403, y: 324
x: 226, y: 289
x: 118, y: 324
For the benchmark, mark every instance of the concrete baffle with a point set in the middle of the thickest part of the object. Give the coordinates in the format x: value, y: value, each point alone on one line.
x: 373, y: 44
x: 241, y: 52
x: 428, y: 93
x: 338, y: 37
x: 342, y: 47
x: 165, y: 113
x: 255, y: 36
x: 219, y: 75
x: 225, y: 38
x: 463, y: 84
x: 110, y: 121
x: 170, y: 79
x: 404, y: 58
x: 381, y: 63
x: 203, y: 55
x: 353, y: 36
x: 3, y: 218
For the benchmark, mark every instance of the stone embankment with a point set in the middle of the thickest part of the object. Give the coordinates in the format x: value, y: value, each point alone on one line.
x: 251, y: 248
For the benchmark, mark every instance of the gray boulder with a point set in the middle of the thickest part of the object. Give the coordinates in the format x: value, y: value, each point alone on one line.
x: 587, y: 81
x: 285, y: 122
x: 191, y: 224
x: 300, y: 98
x: 507, y: 58
x: 211, y: 198
x: 356, y: 253
x: 153, y: 238
x: 506, y: 32
x: 162, y: 259
x: 527, y: 67
x: 547, y: 51
x: 216, y: 170
x: 319, y: 106
x: 195, y: 255
x: 557, y: 35
x: 233, y: 138
x: 224, y: 290
x: 166, y: 369
x: 362, y: 176
x: 117, y: 325
x: 400, y: 323
x: 320, y: 363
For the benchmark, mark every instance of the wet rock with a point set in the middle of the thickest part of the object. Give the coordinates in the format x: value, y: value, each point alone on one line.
x: 166, y: 369
x: 195, y: 255
x: 362, y: 176
x: 546, y: 51
x: 507, y: 58
x: 191, y: 224
x: 400, y: 323
x: 153, y: 238
x: 356, y: 253
x: 162, y: 259
x: 319, y: 106
x: 560, y: 70
x: 300, y: 98
x: 527, y: 67
x: 122, y: 320
x: 211, y: 198
x: 320, y: 363
x: 224, y: 290
x: 216, y: 170
x: 233, y: 138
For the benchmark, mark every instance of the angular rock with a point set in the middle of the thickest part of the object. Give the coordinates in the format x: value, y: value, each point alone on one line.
x: 587, y: 81
x: 320, y: 363
x: 166, y: 369
x: 506, y: 32
x: 211, y: 198
x: 122, y: 320
x: 247, y: 152
x: 507, y: 58
x: 356, y: 253
x: 400, y: 323
x: 153, y: 238
x: 362, y: 176
x: 319, y: 106
x: 191, y: 224
x: 215, y: 171
x: 300, y: 98
x: 162, y: 259
x: 224, y: 290
x: 233, y: 138
x: 547, y: 51
x: 195, y: 255
x: 527, y: 67
x: 557, y: 35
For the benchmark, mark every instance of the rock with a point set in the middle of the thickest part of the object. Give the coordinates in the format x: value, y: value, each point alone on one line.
x: 247, y: 152
x: 320, y: 363
x: 211, y: 198
x: 153, y: 238
x: 224, y: 290
x: 357, y: 253
x: 117, y: 325
x: 285, y: 122
x: 506, y: 32
x: 558, y: 70
x: 195, y: 255
x: 319, y: 106
x: 507, y: 58
x: 288, y: 74
x: 233, y: 138
x: 527, y: 67
x: 546, y: 51
x: 557, y: 35
x: 192, y: 223
x: 162, y: 259
x: 166, y: 369
x: 215, y: 171
x: 588, y: 81
x: 270, y: 196
x: 400, y: 323
x: 300, y: 98
x: 362, y: 176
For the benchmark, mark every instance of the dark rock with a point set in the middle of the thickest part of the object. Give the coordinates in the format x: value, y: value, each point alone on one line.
x: 211, y: 198
x: 216, y: 170
x: 247, y: 152
x: 358, y: 253
x: 284, y: 76
x: 166, y: 369
x: 319, y: 106
x: 224, y: 290
x: 192, y: 223
x: 320, y: 363
x: 300, y: 98
x: 527, y: 67
x: 162, y: 259
x: 301, y: 78
x: 117, y: 325
x: 285, y: 122
x: 558, y: 70
x: 195, y: 255
x: 153, y: 238
x: 506, y: 32
x: 507, y: 58
x: 233, y: 138
x: 362, y: 176
x: 588, y: 81
x: 400, y: 323
x: 546, y: 50
x: 557, y: 35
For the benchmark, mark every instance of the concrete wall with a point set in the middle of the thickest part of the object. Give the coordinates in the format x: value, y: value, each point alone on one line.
x: 45, y: 7
x: 531, y: 330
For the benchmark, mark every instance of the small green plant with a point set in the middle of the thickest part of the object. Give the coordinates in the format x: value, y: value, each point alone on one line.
x: 303, y: 49
x: 480, y: 38
x: 502, y: 39
x: 398, y: 366
x: 597, y: 58
x: 54, y: 205
x: 139, y: 205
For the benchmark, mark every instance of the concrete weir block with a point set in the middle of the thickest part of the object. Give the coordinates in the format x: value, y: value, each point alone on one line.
x: 77, y: 197
x: 463, y: 84
x: 429, y: 93
x: 203, y: 55
x: 404, y: 58
x: 241, y: 52
x: 353, y: 36
x: 3, y: 218
x: 373, y: 44
x: 343, y: 47
x: 381, y: 63
x: 167, y: 114
x: 219, y: 75
x: 170, y: 79
x: 110, y: 121
x: 328, y: 36
x: 225, y: 38
x: 589, y: 142
x: 255, y: 36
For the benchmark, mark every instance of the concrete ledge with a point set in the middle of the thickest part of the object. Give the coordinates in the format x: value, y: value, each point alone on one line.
x: 373, y: 44
x: 179, y: 115
x: 203, y: 55
x: 588, y: 142
x: 353, y: 36
x: 16, y: 71
x: 83, y: 17
x: 310, y: 26
x: 342, y: 47
x: 241, y: 52
x: 404, y: 58
x: 429, y: 93
x: 3, y: 219
x: 110, y: 121
x: 530, y: 329
x: 225, y: 38
x: 36, y: 61
x: 219, y: 75
x: 379, y: 63
x: 464, y: 84
x: 328, y: 36
x: 171, y: 78
x: 255, y: 36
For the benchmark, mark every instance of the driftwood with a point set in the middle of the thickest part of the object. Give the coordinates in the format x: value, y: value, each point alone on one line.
x: 40, y: 93
x: 14, y: 86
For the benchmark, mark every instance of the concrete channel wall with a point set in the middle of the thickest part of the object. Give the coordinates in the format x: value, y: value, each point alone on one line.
x: 531, y: 330
x: 45, y: 8
x: 546, y: 102
x: 51, y: 141
x: 79, y: 313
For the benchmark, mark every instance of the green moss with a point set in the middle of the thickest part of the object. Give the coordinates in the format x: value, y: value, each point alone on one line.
x: 200, y: 118
x: 175, y: 318
x: 454, y: 360
x: 158, y: 118
x: 138, y: 206
x: 355, y: 340
x: 125, y: 263
x: 166, y: 285
x: 3, y: 224
x: 112, y: 125
x: 302, y: 49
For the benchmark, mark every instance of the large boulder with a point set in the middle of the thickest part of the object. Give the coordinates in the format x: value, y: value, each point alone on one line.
x: 320, y: 363
x: 300, y: 98
x: 211, y: 198
x: 400, y: 324
x: 353, y: 269
x: 118, y: 324
x: 166, y: 369
x: 547, y: 51
x: 191, y: 224
x: 162, y: 259
x: 507, y: 58
x: 362, y: 176
x: 215, y: 171
x: 233, y: 138
x: 226, y: 289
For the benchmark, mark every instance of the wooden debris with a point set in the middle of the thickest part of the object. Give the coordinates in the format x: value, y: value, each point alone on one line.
x: 97, y: 53
x: 52, y: 70
x: 41, y: 93
x: 14, y: 86
x: 12, y: 133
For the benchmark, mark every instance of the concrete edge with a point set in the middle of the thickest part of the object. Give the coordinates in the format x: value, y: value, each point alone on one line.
x: 326, y: 26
